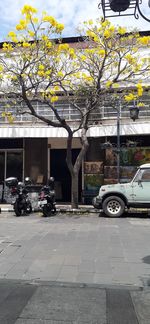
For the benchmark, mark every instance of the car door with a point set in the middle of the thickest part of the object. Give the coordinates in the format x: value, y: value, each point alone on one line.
x: 141, y: 186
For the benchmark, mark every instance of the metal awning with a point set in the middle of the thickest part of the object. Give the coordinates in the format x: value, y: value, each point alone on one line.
x: 136, y: 128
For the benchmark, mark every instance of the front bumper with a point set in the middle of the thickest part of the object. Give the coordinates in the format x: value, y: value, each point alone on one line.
x: 97, y: 202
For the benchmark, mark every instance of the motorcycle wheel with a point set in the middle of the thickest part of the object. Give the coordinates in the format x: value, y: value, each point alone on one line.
x: 29, y: 209
x: 54, y: 210
x: 17, y: 209
x: 47, y: 210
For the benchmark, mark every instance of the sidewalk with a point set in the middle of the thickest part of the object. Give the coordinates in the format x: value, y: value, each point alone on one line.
x: 83, y: 209
x: 60, y: 208
x: 24, y: 302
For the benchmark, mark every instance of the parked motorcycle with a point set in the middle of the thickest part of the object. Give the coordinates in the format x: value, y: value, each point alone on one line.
x: 47, y: 199
x: 19, y: 192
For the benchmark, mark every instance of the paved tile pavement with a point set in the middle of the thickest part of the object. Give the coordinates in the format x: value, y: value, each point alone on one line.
x: 74, y: 269
x: 79, y: 249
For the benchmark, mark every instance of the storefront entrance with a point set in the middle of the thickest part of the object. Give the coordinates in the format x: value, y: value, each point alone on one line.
x: 11, y: 164
x: 59, y: 170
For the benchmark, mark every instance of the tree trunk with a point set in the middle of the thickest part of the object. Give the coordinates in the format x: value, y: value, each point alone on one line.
x: 74, y: 169
x: 74, y: 190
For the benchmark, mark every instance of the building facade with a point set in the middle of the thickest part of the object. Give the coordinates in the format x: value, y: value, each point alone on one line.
x: 28, y: 147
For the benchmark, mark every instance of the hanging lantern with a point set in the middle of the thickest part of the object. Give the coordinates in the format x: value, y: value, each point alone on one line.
x: 119, y: 5
x: 134, y: 113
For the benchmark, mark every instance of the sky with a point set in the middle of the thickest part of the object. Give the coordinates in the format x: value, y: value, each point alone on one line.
x: 70, y: 12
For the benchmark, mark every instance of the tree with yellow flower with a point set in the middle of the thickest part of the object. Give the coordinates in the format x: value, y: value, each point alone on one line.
x: 35, y: 66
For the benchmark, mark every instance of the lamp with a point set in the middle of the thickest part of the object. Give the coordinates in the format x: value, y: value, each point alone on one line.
x: 134, y: 113
x: 119, y: 5
x: 117, y: 8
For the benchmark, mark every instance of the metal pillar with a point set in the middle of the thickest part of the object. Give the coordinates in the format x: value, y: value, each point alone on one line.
x: 118, y: 143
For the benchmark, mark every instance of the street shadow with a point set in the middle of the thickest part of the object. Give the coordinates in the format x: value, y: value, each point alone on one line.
x: 146, y: 259
x: 144, y: 215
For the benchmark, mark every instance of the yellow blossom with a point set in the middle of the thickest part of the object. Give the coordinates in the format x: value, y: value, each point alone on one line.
x: 52, y: 91
x: 115, y: 85
x: 25, y: 44
x: 108, y: 84
x: 63, y: 47
x: 105, y: 23
x: 83, y: 57
x: 3, y: 114
x: 129, y: 97
x: 145, y: 40
x: 130, y: 59
x: 41, y: 67
x: 10, y: 119
x: 11, y: 34
x: 90, y: 33
x: 23, y: 23
x: 48, y: 72
x: 137, y: 67
x: 41, y: 73
x: 141, y: 104
x: 56, y: 88
x: 60, y: 74
x: 44, y: 38
x: 14, y: 39
x: 139, y: 89
x: 96, y: 38
x: 54, y: 98
x: 48, y: 44
x: 101, y: 52
x: 90, y: 22
x: 27, y: 9
x: 77, y: 75
x: 14, y: 78
x: 31, y: 33
x: 87, y: 77
x: 19, y: 27
x: 72, y: 53
x: 112, y: 29
x: 7, y: 47
x: 107, y: 33
x: 35, y: 20
x: 59, y: 27
x: 1, y: 68
x: 51, y: 20
x: 121, y: 30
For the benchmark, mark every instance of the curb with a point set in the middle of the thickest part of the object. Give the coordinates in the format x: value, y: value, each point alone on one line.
x: 79, y: 211
x: 6, y: 210
x: 68, y: 284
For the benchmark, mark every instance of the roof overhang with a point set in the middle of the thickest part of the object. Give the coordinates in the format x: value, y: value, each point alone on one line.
x: 135, y: 128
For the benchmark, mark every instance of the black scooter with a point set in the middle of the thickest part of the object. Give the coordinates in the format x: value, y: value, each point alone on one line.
x: 21, y: 203
x: 47, y: 199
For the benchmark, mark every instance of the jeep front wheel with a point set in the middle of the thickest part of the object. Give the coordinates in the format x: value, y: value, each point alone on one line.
x: 113, y: 206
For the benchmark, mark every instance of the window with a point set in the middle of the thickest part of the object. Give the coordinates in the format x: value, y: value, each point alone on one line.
x: 143, y: 175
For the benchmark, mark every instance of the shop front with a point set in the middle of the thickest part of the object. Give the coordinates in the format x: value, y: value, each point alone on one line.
x: 100, y: 166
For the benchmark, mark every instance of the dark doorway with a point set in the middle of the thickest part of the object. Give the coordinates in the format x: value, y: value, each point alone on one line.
x: 59, y: 170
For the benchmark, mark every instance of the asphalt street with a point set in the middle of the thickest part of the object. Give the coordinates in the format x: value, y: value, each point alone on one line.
x: 26, y: 303
x: 74, y: 269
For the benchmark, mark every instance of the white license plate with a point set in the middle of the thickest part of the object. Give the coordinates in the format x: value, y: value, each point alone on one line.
x: 42, y: 202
